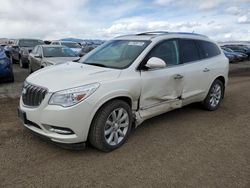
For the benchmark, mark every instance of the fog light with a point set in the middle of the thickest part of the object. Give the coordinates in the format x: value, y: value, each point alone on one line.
x: 58, y: 130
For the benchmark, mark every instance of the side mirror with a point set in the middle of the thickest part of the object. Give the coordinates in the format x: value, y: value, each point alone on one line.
x: 155, y: 63
x: 37, y: 56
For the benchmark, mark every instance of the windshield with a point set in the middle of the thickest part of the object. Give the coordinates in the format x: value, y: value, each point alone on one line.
x: 58, y: 52
x: 116, y: 54
x: 30, y: 43
x: 71, y: 44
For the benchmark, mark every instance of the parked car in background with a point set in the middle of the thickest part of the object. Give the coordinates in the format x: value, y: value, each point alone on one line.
x: 126, y: 80
x: 19, y: 51
x: 46, y: 55
x: 2, y: 46
x: 6, y: 72
x: 7, y: 50
x: 72, y: 45
x: 231, y: 57
x: 87, y: 48
x: 239, y: 48
x: 240, y: 56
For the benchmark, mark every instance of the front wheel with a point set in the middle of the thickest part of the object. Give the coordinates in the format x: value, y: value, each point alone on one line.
x: 30, y: 69
x: 111, y: 126
x: 214, y: 96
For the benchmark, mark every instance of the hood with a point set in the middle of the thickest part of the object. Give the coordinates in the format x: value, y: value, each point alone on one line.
x: 58, y: 60
x: 69, y: 75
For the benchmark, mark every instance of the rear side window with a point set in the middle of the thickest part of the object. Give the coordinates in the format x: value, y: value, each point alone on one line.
x: 167, y: 51
x: 189, y: 50
x: 208, y: 49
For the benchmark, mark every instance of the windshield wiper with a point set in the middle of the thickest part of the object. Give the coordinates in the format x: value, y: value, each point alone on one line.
x: 96, y: 64
x: 76, y: 60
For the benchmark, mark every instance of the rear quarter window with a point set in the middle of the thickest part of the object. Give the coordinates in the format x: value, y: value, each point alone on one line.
x: 208, y: 49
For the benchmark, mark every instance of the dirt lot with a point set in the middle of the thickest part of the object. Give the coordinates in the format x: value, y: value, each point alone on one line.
x: 187, y: 147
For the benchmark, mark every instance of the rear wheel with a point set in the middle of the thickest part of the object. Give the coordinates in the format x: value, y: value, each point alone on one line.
x: 111, y: 126
x: 214, y: 96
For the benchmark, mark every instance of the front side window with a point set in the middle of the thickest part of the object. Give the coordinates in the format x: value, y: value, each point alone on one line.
x: 117, y: 54
x: 208, y: 49
x: 189, y: 50
x: 167, y: 51
x: 58, y: 52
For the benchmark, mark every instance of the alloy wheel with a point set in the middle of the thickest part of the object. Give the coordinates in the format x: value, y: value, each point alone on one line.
x: 116, y: 126
x: 215, y: 95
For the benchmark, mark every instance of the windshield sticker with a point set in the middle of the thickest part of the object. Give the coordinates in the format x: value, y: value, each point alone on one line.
x: 136, y: 43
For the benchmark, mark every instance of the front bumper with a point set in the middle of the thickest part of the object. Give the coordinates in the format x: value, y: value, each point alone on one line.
x: 76, y: 118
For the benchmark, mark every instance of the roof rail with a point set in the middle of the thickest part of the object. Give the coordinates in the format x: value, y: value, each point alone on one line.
x: 186, y: 33
x: 165, y: 32
x: 153, y: 33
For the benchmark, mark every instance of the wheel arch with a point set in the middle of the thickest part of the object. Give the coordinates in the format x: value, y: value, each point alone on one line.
x: 125, y: 98
x: 222, y: 79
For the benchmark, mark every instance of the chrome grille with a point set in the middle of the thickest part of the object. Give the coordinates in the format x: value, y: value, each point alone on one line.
x: 33, y: 95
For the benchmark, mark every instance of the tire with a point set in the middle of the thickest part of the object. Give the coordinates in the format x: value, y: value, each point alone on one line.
x: 214, y: 96
x: 12, y: 60
x: 111, y: 126
x: 30, y: 69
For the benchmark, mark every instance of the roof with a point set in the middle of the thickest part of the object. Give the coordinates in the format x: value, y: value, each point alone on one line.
x: 64, y: 41
x: 51, y: 45
x: 154, y: 34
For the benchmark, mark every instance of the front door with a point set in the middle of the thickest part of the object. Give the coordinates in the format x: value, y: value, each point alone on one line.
x: 162, y: 88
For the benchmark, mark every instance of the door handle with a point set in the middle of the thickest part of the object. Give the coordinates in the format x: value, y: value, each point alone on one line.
x: 178, y: 77
x: 206, y: 70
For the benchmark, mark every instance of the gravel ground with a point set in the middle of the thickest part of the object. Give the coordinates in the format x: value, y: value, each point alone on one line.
x: 188, y: 147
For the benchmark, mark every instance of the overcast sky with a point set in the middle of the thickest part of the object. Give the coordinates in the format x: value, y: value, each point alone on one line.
x: 221, y: 20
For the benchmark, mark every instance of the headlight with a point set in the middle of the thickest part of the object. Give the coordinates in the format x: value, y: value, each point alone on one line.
x: 73, y: 96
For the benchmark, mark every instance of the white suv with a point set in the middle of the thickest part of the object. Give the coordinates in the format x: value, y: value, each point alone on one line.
x: 123, y: 82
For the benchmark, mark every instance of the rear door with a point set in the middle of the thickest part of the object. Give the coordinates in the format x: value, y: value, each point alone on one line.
x: 32, y: 58
x: 196, y: 71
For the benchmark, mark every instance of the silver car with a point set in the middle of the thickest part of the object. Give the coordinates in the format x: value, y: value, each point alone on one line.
x: 72, y: 45
x: 46, y: 55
